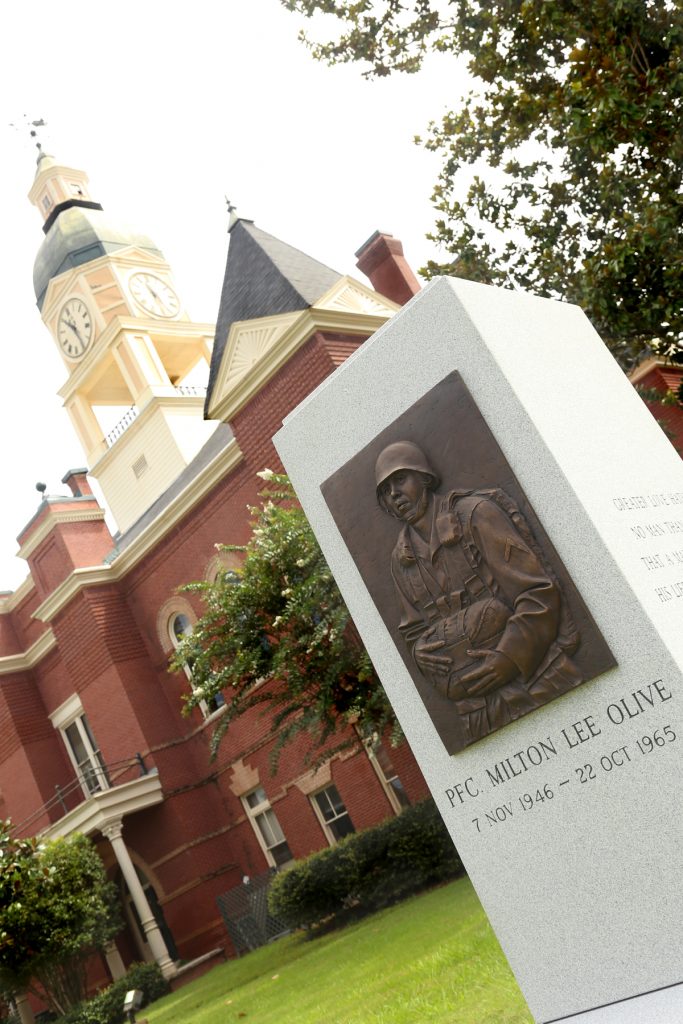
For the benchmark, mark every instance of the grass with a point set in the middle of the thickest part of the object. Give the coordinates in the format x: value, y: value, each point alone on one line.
x: 430, y: 960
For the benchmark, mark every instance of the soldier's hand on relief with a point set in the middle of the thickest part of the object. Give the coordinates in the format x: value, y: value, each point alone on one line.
x: 426, y: 659
x: 494, y: 671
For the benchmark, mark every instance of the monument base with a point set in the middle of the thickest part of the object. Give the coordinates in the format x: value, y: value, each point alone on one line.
x: 505, y: 417
x: 662, y: 1007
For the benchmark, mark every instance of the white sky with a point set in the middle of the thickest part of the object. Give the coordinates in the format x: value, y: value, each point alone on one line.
x: 168, y: 108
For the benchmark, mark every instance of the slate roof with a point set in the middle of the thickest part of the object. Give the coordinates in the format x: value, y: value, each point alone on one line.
x: 263, y: 277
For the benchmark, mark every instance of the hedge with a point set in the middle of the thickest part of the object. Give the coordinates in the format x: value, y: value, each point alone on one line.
x: 107, y: 1006
x: 366, y: 870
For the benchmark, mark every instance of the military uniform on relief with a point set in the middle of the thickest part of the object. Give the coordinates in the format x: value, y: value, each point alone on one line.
x: 480, y: 582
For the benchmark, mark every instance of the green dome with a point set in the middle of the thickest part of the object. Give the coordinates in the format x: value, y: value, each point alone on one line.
x: 77, y: 236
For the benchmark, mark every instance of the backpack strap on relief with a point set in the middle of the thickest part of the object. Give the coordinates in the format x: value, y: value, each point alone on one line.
x: 568, y: 634
x: 454, y: 521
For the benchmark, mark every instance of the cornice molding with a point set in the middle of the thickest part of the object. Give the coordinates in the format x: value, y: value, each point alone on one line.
x: 109, y: 807
x: 53, y: 171
x: 72, y: 585
x: 81, y: 373
x: 257, y: 349
x: 195, y: 492
x: 130, y: 435
x: 12, y: 663
x: 349, y: 295
x: 10, y: 601
x: 54, y: 518
x: 248, y: 342
x: 71, y: 708
x: 130, y: 256
x: 647, y: 366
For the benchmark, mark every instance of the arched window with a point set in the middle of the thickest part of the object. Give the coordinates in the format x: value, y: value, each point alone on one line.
x: 227, y: 564
x: 180, y: 626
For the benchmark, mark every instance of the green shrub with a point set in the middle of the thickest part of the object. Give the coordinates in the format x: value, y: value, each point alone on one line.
x: 366, y: 870
x: 107, y: 1006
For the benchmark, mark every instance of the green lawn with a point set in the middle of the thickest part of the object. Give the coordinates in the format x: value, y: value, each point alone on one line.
x: 430, y: 960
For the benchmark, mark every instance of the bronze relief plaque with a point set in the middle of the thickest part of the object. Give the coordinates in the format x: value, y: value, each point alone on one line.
x: 481, y: 608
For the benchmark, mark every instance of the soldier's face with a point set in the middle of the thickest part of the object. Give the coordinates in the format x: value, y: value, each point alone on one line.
x: 405, y: 495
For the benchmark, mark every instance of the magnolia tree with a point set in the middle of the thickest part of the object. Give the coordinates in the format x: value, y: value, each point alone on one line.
x: 561, y: 169
x: 56, y: 909
x: 278, y: 637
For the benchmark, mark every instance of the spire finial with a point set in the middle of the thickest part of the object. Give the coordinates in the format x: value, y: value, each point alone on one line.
x: 34, y: 125
x: 32, y: 128
x: 232, y: 215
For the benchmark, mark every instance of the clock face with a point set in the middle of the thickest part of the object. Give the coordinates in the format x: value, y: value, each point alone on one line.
x: 154, y: 295
x: 74, y: 329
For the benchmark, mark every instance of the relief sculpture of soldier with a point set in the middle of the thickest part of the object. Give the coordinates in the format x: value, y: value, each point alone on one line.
x: 482, y: 612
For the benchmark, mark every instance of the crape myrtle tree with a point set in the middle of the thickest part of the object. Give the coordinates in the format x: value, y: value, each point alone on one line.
x: 56, y: 909
x: 562, y: 167
x: 278, y: 637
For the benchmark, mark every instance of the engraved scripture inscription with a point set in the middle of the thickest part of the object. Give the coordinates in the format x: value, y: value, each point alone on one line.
x: 479, y: 604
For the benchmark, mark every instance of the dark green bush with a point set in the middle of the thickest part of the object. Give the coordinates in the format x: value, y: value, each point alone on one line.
x: 107, y: 1006
x: 366, y: 870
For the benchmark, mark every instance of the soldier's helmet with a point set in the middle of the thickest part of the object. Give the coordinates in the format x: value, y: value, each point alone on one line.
x: 402, y: 455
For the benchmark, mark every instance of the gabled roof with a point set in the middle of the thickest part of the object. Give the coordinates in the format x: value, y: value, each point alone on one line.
x: 264, y: 277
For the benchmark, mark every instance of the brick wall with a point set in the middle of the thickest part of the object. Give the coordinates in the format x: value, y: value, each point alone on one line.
x: 255, y: 425
x: 113, y: 650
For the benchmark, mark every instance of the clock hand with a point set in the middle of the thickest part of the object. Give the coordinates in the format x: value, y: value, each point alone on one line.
x: 152, y: 297
x: 157, y: 299
x: 72, y: 325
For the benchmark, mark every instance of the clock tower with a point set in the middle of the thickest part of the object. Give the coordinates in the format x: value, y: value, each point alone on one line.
x: 130, y: 349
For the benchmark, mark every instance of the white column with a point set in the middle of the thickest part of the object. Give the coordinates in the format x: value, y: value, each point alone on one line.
x: 114, y: 961
x: 206, y: 348
x: 87, y: 426
x: 150, y: 927
x: 24, y: 1009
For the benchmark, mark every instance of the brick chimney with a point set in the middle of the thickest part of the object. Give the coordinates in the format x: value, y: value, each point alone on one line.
x: 381, y: 259
x: 77, y: 481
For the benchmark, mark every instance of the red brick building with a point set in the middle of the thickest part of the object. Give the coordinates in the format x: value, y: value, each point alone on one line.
x: 91, y: 733
x: 656, y: 375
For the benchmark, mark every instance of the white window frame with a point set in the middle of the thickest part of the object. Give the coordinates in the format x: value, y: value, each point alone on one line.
x: 260, y: 810
x: 176, y: 641
x: 324, y: 824
x: 71, y: 713
x: 385, y: 780
x: 206, y: 711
